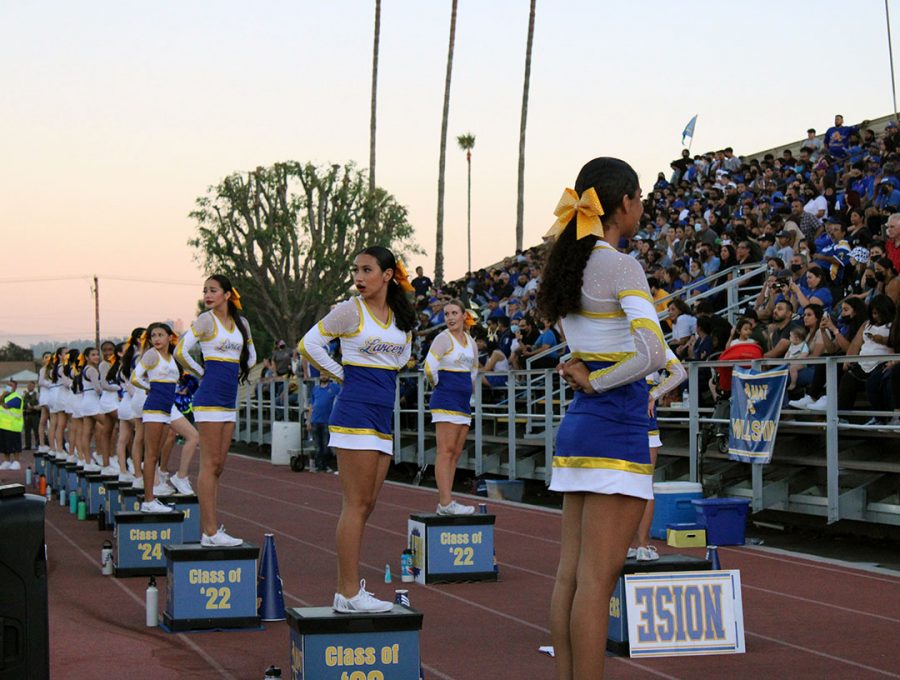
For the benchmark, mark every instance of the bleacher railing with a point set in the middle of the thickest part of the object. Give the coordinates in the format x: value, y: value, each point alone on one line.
x: 513, y: 432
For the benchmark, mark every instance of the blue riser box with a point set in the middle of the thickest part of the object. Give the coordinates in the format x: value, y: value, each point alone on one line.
x: 141, y: 538
x: 452, y: 548
x: 188, y: 504
x: 329, y: 646
x: 209, y: 588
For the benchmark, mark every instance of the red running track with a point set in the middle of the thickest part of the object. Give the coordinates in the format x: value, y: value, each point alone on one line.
x: 803, y: 618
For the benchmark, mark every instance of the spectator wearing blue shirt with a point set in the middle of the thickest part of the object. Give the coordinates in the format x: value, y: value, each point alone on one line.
x: 819, y: 294
x: 545, y: 341
x: 436, y: 315
x: 321, y: 401
x: 887, y: 197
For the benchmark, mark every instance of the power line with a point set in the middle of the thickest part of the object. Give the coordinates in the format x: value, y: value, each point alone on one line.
x: 88, y: 277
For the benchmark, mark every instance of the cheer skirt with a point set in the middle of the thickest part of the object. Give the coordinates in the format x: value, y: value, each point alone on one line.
x: 109, y: 402
x: 653, y: 432
x: 216, y: 398
x: 450, y: 401
x: 602, y: 444
x: 361, y: 426
x: 89, y: 404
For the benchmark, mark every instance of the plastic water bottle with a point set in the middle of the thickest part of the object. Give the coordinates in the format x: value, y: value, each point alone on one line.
x: 62, y: 496
x: 406, y: 566
x: 29, y: 476
x: 48, y: 492
x: 387, y: 573
x: 152, y: 601
x: 106, y: 561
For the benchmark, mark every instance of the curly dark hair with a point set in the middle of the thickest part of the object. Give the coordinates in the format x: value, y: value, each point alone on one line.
x: 563, y: 273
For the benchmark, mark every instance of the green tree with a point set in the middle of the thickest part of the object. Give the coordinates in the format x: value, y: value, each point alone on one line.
x: 442, y: 163
x: 520, y: 191
x: 286, y: 236
x: 13, y: 352
x: 467, y: 143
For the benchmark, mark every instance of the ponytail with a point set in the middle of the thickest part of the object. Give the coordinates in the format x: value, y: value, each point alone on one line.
x: 397, y: 298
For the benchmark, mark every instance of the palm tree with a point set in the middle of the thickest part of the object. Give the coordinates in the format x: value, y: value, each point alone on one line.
x: 439, y: 232
x: 374, y: 91
x: 467, y: 143
x: 520, y: 200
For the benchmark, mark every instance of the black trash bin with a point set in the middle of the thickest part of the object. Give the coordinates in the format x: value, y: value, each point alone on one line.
x: 24, y: 637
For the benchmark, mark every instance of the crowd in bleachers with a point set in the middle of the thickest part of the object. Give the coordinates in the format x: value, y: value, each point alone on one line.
x: 817, y: 228
x: 825, y: 220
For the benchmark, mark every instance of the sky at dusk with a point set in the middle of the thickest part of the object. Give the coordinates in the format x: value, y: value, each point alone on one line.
x: 118, y: 115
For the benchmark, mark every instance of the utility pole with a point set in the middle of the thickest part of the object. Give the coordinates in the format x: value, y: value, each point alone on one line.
x: 96, y: 292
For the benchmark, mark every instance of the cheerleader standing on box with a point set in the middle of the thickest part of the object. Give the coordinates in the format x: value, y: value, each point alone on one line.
x: 44, y: 391
x: 89, y: 408
x: 56, y: 403
x: 223, y: 336
x: 602, y: 460
x: 375, y: 330
x: 452, y: 367
x: 641, y: 549
x: 72, y: 396
x: 130, y: 423
x: 109, y: 404
x: 156, y: 373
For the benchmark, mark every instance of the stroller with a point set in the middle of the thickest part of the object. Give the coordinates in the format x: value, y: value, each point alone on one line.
x: 721, y: 384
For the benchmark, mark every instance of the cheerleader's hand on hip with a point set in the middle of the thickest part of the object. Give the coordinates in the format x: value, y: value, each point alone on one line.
x: 577, y: 375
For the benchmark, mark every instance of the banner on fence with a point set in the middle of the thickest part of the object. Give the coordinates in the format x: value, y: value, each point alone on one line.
x: 756, y: 398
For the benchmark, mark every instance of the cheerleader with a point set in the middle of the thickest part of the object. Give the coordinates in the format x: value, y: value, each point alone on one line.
x: 452, y: 367
x: 602, y: 460
x: 89, y: 407
x: 157, y: 373
x: 130, y: 423
x: 641, y: 549
x: 56, y: 403
x: 109, y: 405
x: 44, y: 392
x: 375, y: 331
x: 227, y: 354
x: 71, y: 389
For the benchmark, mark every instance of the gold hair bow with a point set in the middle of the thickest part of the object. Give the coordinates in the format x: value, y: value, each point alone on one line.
x: 142, y: 341
x: 470, y: 320
x: 236, y: 299
x: 48, y: 360
x: 401, y: 276
x: 587, y: 209
x: 173, y: 339
x: 81, y: 360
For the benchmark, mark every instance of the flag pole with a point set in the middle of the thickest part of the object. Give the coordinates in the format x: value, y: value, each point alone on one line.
x: 887, y: 18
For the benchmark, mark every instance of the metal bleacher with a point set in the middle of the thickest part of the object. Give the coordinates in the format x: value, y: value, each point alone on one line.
x: 823, y: 465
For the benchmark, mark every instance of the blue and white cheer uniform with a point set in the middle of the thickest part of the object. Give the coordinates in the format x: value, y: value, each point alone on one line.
x: 372, y: 353
x: 452, y: 368
x: 220, y: 346
x: 157, y: 376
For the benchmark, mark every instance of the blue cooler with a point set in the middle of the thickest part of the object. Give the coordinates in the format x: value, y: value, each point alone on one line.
x: 673, y: 505
x: 725, y: 519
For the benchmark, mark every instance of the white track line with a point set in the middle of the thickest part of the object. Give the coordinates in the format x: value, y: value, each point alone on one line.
x: 183, y: 638
x: 821, y: 603
x: 850, y: 570
x: 824, y: 655
x: 490, y: 610
x: 847, y: 568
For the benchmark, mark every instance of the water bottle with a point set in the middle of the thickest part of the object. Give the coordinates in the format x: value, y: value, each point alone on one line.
x: 106, y: 558
x: 272, y: 672
x: 48, y: 492
x: 152, y: 602
x: 101, y: 518
x: 29, y: 476
x: 406, y: 566
x: 62, y: 496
